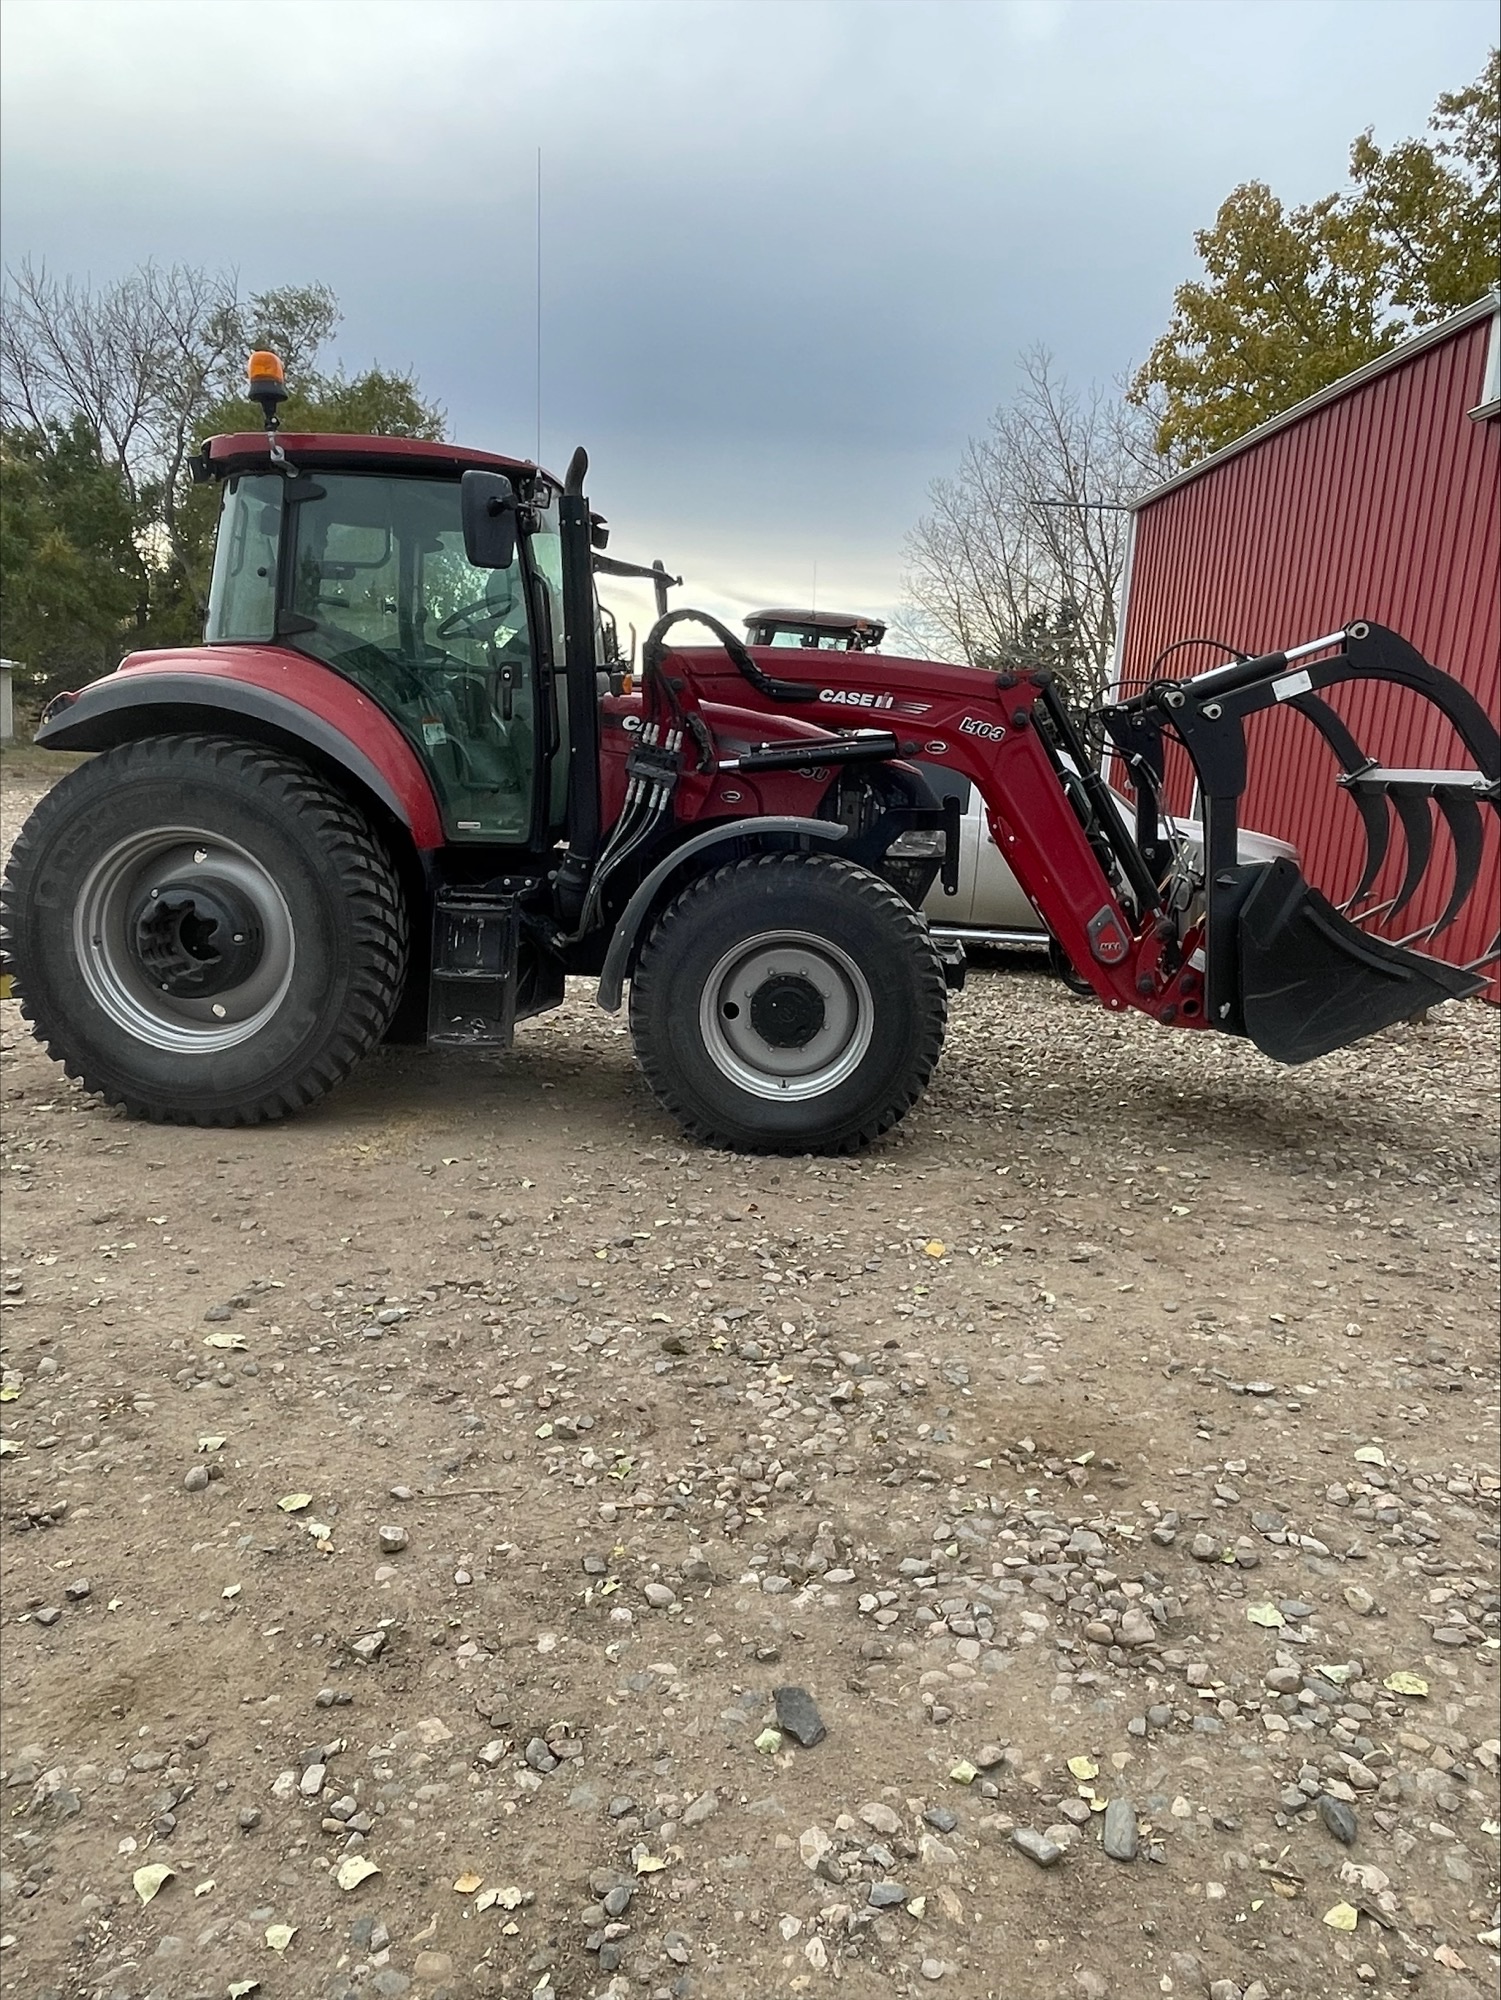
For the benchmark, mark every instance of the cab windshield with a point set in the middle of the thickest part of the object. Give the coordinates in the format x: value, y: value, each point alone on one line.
x: 379, y: 588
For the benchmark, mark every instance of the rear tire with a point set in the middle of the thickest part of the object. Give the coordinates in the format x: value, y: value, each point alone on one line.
x: 202, y: 930
x: 790, y: 1003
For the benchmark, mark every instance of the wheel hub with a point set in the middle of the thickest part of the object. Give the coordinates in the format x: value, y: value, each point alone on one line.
x: 192, y: 939
x: 787, y: 1011
x: 787, y: 1015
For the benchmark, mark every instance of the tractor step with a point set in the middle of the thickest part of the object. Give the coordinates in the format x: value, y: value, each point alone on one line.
x: 472, y: 991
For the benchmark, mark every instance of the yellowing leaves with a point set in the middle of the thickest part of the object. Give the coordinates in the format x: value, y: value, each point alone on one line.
x: 293, y: 1503
x: 935, y: 1249
x: 355, y: 1870
x: 1343, y: 1917
x: 233, y: 1341
x: 148, y: 1881
x: 1265, y: 1614
x: 9, y: 1391
x: 649, y: 1864
x: 1083, y: 1768
x: 1370, y: 1454
x: 279, y: 1936
x: 466, y: 1884
x: 1403, y: 1682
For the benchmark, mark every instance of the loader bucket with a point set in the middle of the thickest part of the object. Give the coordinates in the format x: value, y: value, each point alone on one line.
x: 1311, y: 981
x: 1297, y: 972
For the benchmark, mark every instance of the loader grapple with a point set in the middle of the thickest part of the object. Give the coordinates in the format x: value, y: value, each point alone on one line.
x: 1297, y: 972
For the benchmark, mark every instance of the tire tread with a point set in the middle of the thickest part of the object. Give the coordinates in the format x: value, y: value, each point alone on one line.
x: 881, y: 899
x: 368, y: 886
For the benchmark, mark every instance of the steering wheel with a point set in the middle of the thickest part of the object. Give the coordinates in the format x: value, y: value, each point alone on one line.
x: 471, y: 620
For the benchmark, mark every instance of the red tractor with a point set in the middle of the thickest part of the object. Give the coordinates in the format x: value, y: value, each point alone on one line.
x: 396, y: 793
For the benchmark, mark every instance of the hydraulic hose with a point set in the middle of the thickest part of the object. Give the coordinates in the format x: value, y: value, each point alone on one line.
x: 767, y: 684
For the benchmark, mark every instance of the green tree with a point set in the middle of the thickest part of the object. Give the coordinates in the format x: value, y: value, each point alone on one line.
x: 75, y: 580
x: 106, y: 392
x: 379, y: 403
x: 1292, y: 299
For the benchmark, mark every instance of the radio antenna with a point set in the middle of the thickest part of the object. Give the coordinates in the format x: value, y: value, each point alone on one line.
x: 539, y: 305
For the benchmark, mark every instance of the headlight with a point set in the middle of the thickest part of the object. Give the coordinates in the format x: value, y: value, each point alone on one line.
x: 924, y: 845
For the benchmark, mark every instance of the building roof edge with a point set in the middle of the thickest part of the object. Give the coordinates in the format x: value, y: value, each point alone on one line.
x: 1407, y: 350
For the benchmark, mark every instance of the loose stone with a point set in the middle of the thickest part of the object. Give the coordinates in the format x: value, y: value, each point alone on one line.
x: 886, y: 1895
x: 1339, y: 1819
x: 1036, y: 1846
x: 799, y: 1716
x: 1119, y: 1837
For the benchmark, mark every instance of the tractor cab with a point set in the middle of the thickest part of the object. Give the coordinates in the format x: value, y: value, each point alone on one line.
x: 815, y: 631
x: 356, y: 559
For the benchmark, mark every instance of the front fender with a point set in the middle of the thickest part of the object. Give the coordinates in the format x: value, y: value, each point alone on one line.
x: 274, y: 696
x: 622, y: 952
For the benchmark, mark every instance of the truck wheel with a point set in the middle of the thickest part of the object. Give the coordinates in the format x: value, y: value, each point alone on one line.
x: 202, y: 930
x: 790, y: 1003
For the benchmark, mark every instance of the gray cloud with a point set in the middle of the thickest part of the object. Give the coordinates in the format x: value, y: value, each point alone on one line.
x: 791, y: 249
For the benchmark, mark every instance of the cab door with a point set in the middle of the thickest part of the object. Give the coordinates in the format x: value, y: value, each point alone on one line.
x: 380, y: 590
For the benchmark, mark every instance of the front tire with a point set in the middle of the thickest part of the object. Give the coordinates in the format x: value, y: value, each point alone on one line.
x: 790, y: 1003
x: 202, y: 930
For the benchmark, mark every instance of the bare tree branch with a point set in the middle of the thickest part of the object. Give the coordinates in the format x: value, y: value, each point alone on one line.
x: 1020, y: 552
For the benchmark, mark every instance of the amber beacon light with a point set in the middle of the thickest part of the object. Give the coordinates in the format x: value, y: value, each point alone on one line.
x: 267, y: 384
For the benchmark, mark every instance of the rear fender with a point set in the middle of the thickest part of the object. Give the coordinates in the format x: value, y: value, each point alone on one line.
x: 315, y: 715
x: 707, y: 849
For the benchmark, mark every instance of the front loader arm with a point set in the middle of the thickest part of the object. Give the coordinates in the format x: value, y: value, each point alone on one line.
x: 1005, y: 732
x: 1115, y: 933
x: 1269, y: 957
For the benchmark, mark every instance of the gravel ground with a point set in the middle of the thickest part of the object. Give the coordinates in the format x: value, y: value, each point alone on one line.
x: 469, y: 1542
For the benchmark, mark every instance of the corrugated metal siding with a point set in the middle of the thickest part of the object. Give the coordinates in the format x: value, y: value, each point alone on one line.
x: 1382, y: 505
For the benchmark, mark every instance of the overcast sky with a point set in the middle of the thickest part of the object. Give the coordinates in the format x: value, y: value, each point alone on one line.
x: 791, y: 248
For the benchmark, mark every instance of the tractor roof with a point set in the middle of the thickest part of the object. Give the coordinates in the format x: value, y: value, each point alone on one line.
x: 818, y: 621
x: 243, y: 451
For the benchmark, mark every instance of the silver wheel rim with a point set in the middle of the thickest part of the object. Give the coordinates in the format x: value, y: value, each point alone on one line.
x: 786, y: 968
x: 105, y: 920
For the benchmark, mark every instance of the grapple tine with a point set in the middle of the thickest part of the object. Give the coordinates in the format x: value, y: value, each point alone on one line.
x: 1468, y: 835
x: 1376, y: 816
x: 1371, y: 806
x: 1411, y: 804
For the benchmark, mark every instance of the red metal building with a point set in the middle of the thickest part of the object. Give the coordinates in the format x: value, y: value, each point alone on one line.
x: 1378, y: 498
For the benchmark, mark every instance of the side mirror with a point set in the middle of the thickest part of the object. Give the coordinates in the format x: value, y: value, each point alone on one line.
x: 488, y: 508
